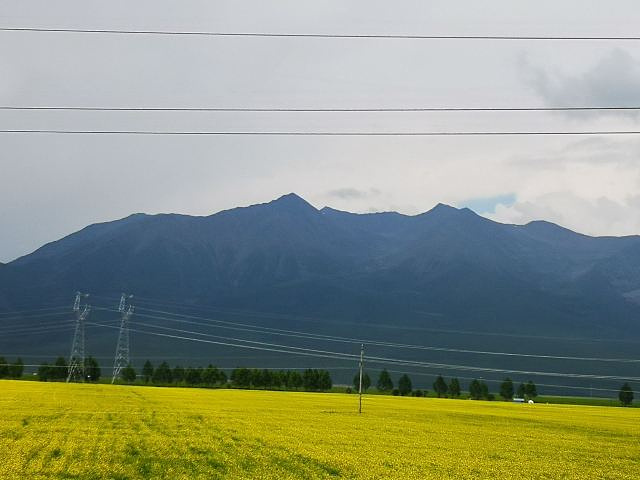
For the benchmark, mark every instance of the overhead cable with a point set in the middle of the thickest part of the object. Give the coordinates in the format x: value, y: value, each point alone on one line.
x: 322, y: 133
x: 384, y: 36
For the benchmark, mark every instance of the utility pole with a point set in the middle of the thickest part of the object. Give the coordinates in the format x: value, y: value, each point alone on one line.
x: 360, y: 383
x: 122, y: 349
x: 76, y: 359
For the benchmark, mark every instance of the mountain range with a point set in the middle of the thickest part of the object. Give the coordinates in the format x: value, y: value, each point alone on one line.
x: 448, y: 266
x: 447, y: 269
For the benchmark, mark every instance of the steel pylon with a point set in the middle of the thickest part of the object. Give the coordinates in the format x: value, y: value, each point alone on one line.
x: 77, y: 357
x: 121, y: 360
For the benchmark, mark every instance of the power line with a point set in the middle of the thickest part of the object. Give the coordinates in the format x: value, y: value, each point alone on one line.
x: 276, y: 345
x: 41, y: 315
x: 48, y: 365
x: 319, y: 110
x: 332, y: 355
x: 291, y: 350
x: 39, y: 322
x: 321, y: 35
x: 40, y: 330
x: 324, y: 321
x: 324, y: 133
x: 335, y: 338
x: 19, y: 312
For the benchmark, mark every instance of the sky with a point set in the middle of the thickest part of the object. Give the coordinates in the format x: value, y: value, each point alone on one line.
x: 52, y: 185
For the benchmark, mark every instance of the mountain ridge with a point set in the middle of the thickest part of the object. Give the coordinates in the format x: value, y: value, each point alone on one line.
x: 287, y: 255
x: 293, y: 199
x: 445, y: 277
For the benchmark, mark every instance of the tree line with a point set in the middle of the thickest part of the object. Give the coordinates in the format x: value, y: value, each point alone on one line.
x: 315, y: 380
x: 385, y: 384
x: 11, y: 370
x: 59, y: 370
x: 478, y: 389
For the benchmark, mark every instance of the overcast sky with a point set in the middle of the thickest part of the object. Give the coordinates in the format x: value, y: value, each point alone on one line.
x: 52, y: 185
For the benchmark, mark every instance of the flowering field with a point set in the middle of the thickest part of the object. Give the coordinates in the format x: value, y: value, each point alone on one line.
x: 54, y: 430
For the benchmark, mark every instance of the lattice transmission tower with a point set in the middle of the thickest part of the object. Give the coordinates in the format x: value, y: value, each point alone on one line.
x: 77, y: 358
x: 122, y: 349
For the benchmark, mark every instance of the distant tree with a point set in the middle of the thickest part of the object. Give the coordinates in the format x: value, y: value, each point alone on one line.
x: 193, y: 376
x: 4, y: 368
x: 92, y: 369
x: 45, y: 372
x: 211, y: 375
x: 128, y: 374
x: 324, y: 381
x: 395, y: 392
x: 16, y: 369
x: 316, y: 380
x: 475, y: 390
x: 241, y: 377
x: 484, y: 391
x: 311, y: 380
x: 530, y: 390
x: 277, y: 378
x: 626, y: 395
x: 366, y: 381
x: 295, y: 380
x: 384, y: 383
x: 286, y: 378
x: 60, y: 370
x: 255, y: 378
x: 178, y: 374
x: 162, y: 374
x: 404, y: 385
x: 417, y: 393
x: 521, y: 391
x: 222, y: 377
x: 506, y: 389
x: 440, y: 386
x: 147, y: 371
x: 265, y: 378
x: 454, y: 388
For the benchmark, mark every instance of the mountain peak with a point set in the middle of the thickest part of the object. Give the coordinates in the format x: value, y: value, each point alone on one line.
x: 442, y: 209
x: 549, y: 229
x: 292, y: 202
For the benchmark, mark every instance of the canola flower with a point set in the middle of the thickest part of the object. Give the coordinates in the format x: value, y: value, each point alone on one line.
x: 54, y: 430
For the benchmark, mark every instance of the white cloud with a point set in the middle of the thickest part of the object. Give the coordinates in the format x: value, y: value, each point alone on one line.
x: 613, y: 80
x: 591, y: 187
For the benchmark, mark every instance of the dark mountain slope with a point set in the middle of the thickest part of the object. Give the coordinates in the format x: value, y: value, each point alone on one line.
x: 447, y: 267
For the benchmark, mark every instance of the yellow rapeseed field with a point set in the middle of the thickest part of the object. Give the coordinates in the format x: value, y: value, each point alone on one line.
x: 54, y: 430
